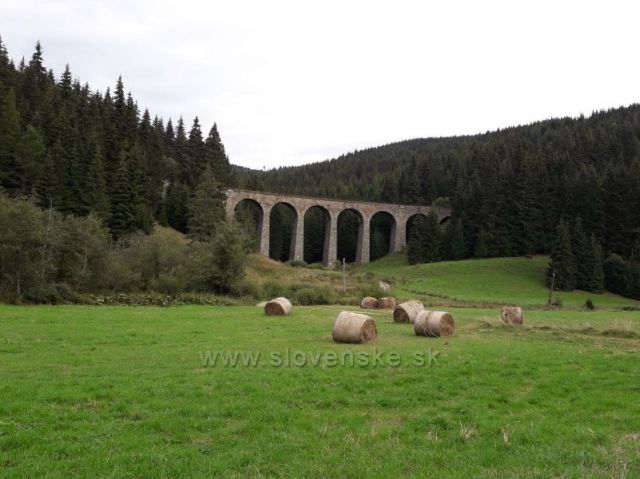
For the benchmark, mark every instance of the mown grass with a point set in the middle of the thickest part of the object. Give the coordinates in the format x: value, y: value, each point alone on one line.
x: 122, y: 392
x: 483, y: 281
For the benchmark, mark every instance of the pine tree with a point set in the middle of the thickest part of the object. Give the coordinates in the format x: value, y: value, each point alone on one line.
x: 562, y: 260
x: 206, y: 208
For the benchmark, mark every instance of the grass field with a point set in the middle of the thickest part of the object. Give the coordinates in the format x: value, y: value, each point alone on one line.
x: 124, y: 392
x: 483, y: 281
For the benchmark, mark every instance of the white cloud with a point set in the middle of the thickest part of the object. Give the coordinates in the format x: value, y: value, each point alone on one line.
x: 291, y: 82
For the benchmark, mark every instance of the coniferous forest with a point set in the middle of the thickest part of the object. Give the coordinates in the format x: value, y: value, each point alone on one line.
x: 566, y: 187
x: 83, y: 151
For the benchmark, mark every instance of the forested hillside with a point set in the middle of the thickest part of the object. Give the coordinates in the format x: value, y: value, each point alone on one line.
x: 509, y: 188
x: 80, y: 150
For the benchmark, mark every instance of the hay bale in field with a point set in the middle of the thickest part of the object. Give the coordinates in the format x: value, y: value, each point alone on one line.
x: 384, y: 286
x: 369, y: 303
x: 511, y: 315
x: 388, y: 302
x: 278, y: 307
x: 354, y: 328
x: 434, y: 323
x: 261, y: 304
x: 406, y: 312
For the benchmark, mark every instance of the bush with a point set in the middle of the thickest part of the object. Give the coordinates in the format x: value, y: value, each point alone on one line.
x: 297, y: 263
x: 273, y: 288
x: 309, y: 295
x: 589, y: 305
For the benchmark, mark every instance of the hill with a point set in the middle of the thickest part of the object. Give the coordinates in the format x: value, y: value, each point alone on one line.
x: 509, y: 188
x: 482, y: 282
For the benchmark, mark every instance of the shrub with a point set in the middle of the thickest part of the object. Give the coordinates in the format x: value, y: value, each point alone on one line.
x: 320, y: 294
x: 589, y: 305
x: 297, y: 263
x: 273, y: 288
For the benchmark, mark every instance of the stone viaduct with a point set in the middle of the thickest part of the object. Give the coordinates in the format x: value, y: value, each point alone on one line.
x: 400, y: 215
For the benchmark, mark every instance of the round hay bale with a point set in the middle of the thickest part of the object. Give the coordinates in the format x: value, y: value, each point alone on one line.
x: 511, y: 315
x: 354, y: 328
x: 406, y: 312
x: 434, y: 324
x: 369, y: 303
x: 388, y: 302
x: 278, y: 307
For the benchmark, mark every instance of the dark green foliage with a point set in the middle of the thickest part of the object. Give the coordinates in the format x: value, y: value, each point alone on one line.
x: 176, y: 205
x: 349, y: 224
x: 622, y: 277
x: 216, y: 157
x: 96, y: 192
x: 206, y: 208
x: 596, y: 273
x: 282, y: 223
x: 221, y: 262
x: 415, y: 241
x: 562, y: 260
x: 84, y: 151
x: 315, y: 222
x: 510, y: 188
x: 453, y: 245
x: 425, y: 240
x: 39, y: 249
x: 380, y: 228
x: 122, y: 219
x: 583, y: 255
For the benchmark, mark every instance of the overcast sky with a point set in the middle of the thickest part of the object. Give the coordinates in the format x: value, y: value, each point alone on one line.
x: 300, y: 81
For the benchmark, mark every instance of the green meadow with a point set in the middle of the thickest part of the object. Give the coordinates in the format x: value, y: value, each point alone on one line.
x: 491, y: 281
x: 129, y: 392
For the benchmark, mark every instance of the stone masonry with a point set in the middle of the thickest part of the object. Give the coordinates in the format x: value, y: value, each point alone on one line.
x: 332, y: 209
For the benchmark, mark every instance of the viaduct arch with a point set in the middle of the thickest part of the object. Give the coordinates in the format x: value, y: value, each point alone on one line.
x: 300, y: 204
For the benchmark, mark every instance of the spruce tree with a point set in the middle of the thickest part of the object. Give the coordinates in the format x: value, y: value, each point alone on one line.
x: 96, y: 184
x: 596, y: 274
x: 217, y: 158
x: 481, y: 249
x: 196, y: 149
x: 562, y: 260
x: 433, y: 238
x: 122, y: 220
x: 206, y: 208
x: 453, y: 245
x: 10, y: 166
x: 176, y: 206
x: 32, y: 154
x: 416, y: 240
x: 583, y: 255
x: 182, y: 156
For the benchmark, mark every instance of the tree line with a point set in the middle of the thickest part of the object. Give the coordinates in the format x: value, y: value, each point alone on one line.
x: 81, y: 151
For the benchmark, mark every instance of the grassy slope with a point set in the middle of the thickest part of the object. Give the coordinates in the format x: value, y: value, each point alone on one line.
x: 115, y: 391
x: 483, y: 281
